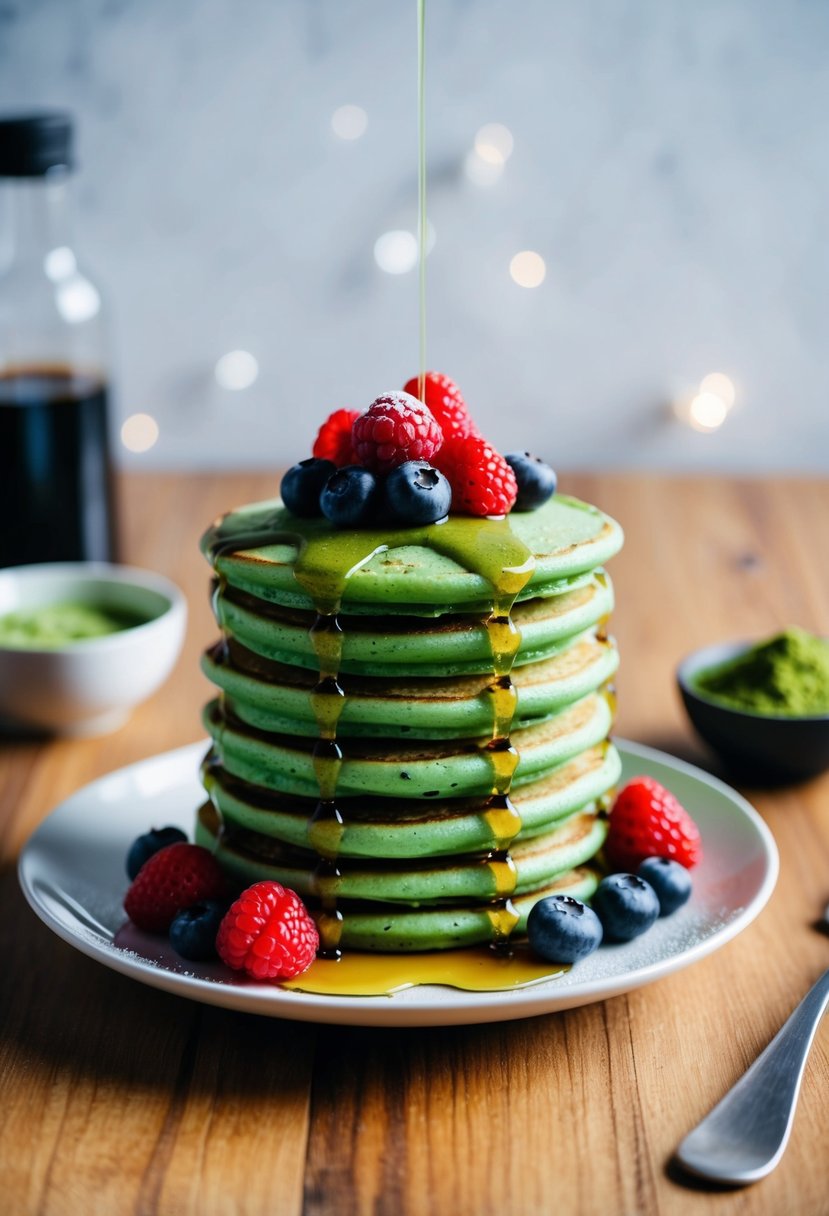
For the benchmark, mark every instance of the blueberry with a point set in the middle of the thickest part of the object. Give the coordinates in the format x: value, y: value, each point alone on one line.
x: 350, y: 496
x: 626, y: 906
x: 415, y: 493
x: 143, y: 847
x: 536, y: 480
x: 193, y: 931
x: 670, y: 880
x: 562, y: 929
x: 302, y: 486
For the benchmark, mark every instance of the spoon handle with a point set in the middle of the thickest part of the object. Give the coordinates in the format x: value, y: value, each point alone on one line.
x: 745, y: 1135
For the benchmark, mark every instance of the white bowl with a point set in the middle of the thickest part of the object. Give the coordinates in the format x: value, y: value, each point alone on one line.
x: 88, y: 687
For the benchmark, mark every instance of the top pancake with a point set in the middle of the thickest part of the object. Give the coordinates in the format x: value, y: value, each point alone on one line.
x: 259, y: 547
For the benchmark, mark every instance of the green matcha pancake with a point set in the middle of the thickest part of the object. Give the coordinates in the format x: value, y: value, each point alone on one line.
x: 436, y: 769
x: 401, y: 646
x: 278, y: 698
x: 433, y: 880
x: 440, y: 568
x: 398, y: 827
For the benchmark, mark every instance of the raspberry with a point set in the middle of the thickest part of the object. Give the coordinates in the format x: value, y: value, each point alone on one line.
x: 395, y: 428
x: 482, y: 482
x: 443, y: 397
x: 333, y: 441
x: 647, y: 821
x: 172, y: 879
x: 268, y: 933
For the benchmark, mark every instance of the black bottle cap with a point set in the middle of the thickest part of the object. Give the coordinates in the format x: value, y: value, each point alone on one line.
x: 33, y: 144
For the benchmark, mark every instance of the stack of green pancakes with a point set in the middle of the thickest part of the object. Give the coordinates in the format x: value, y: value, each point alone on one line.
x: 411, y: 729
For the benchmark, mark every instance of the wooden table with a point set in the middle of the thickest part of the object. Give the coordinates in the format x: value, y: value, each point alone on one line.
x: 117, y: 1098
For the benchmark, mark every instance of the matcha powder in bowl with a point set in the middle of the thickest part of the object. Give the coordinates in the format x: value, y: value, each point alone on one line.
x: 787, y: 676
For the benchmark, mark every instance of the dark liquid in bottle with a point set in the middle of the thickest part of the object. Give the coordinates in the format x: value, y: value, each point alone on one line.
x: 56, y: 485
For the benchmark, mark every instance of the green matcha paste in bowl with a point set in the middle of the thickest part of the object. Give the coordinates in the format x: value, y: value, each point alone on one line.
x: 51, y: 626
x: 787, y: 676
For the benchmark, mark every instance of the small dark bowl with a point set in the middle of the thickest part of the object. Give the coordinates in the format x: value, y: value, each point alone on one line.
x: 761, y: 748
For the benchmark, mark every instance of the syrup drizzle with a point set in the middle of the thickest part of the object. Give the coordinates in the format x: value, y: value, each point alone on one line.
x: 324, y: 564
x: 501, y: 816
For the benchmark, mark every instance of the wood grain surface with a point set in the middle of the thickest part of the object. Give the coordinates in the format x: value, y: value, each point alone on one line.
x: 116, y: 1098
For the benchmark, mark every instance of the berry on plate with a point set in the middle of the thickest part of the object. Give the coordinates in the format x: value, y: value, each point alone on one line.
x: 193, y: 930
x: 443, y: 398
x: 482, y: 482
x: 143, y: 847
x: 670, y: 880
x: 176, y: 877
x: 350, y: 497
x: 536, y: 480
x: 647, y: 821
x: 415, y: 493
x: 333, y: 441
x: 268, y: 933
x: 395, y: 428
x: 626, y: 905
x: 562, y: 929
x: 302, y: 485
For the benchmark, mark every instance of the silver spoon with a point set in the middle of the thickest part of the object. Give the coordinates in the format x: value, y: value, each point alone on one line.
x: 745, y: 1136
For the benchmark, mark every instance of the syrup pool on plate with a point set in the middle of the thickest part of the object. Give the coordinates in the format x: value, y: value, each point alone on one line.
x: 476, y: 969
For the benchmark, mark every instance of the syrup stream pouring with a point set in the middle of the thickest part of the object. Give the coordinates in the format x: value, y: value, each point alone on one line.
x: 745, y: 1135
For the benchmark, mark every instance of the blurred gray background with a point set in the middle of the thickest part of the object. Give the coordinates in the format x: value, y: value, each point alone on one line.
x: 669, y: 164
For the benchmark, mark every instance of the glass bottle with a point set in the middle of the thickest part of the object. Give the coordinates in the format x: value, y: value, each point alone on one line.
x: 56, y: 478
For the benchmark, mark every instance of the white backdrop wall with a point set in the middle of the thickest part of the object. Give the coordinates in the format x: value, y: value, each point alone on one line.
x: 670, y: 165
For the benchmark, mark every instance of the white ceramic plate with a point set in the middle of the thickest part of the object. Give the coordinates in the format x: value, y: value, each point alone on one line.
x: 72, y: 873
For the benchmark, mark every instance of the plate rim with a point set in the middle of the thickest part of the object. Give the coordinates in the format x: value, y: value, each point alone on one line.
x: 456, y: 1007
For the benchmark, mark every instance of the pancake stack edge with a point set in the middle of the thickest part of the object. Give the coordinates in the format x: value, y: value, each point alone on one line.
x: 421, y: 856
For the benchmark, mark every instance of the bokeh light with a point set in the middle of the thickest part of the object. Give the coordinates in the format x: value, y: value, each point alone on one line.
x: 77, y: 299
x: 396, y: 251
x: 349, y: 122
x: 236, y: 370
x: 494, y: 143
x: 139, y: 432
x: 59, y: 263
x: 720, y: 385
x: 528, y: 269
x: 707, y: 412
